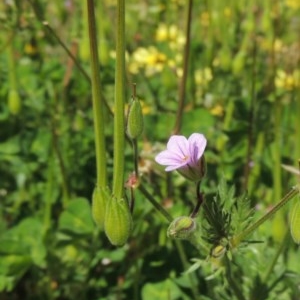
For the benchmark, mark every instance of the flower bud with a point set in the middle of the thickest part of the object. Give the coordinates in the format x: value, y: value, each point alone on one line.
x: 99, y: 200
x: 182, y: 228
x: 118, y: 221
x: 135, y: 123
x: 14, y: 102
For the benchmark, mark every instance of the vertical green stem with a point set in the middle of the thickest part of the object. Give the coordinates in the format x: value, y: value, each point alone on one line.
x: 98, y: 103
x: 12, y: 67
x: 119, y: 119
x: 182, y: 86
x: 48, y: 196
x: 236, y: 240
x: 185, y: 264
x: 277, y: 254
x: 297, y: 123
x: 251, y: 117
x: 235, y: 287
x: 277, y: 151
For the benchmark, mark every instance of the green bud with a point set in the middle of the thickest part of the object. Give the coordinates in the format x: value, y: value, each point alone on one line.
x: 238, y: 62
x: 99, y: 200
x: 135, y: 123
x: 295, y: 222
x: 118, y: 221
x: 14, y: 102
x: 219, y: 250
x: 182, y: 228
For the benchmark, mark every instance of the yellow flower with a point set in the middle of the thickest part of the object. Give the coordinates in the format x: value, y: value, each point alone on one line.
x: 205, y: 19
x: 162, y: 34
x: 294, y: 4
x: 287, y: 81
x: 227, y: 12
x: 149, y: 59
x: 217, y: 110
x: 203, y: 76
x: 171, y: 34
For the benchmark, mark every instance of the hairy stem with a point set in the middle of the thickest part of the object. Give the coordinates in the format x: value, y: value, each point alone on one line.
x: 98, y: 103
x: 119, y: 120
x: 236, y: 240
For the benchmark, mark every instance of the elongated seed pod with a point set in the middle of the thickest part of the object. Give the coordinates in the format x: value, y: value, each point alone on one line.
x: 118, y: 221
x: 135, y: 123
x: 99, y: 200
x: 295, y: 221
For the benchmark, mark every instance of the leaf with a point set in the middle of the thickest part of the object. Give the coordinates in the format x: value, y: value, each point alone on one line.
x: 162, y: 290
x: 295, y: 222
x: 195, y: 266
x: 77, y: 217
x: 25, y: 239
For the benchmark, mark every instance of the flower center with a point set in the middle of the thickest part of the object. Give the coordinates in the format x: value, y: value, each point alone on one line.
x: 185, y: 158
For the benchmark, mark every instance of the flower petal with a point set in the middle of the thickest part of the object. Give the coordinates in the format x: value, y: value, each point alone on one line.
x: 167, y: 157
x: 178, y: 144
x: 197, y: 143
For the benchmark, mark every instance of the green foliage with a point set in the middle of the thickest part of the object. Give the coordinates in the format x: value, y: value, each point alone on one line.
x: 76, y: 218
x: 226, y: 215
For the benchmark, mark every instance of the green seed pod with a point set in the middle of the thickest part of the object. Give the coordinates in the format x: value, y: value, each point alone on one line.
x: 182, y: 228
x: 118, y: 221
x: 135, y: 123
x: 99, y: 200
x: 238, y: 62
x: 295, y: 222
x: 14, y: 102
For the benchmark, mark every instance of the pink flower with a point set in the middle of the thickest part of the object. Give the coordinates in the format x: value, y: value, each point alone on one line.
x: 185, y: 155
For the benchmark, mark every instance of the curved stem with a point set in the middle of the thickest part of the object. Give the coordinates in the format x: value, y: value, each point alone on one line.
x: 155, y: 203
x: 200, y: 200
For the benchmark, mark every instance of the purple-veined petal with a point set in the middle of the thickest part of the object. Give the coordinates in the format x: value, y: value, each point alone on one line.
x: 197, y: 143
x: 174, y: 167
x: 178, y: 144
x: 167, y: 157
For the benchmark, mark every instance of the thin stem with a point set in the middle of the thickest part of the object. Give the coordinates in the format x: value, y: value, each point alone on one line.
x: 70, y: 54
x: 12, y: 67
x: 185, y: 264
x: 119, y: 120
x: 62, y: 167
x: 277, y: 151
x: 234, y: 286
x: 274, y: 261
x: 98, y: 103
x: 251, y: 117
x: 49, y: 193
x: 182, y: 87
x: 156, y: 205
x: 135, y: 157
x: 200, y: 200
x: 236, y: 240
x: 132, y: 200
